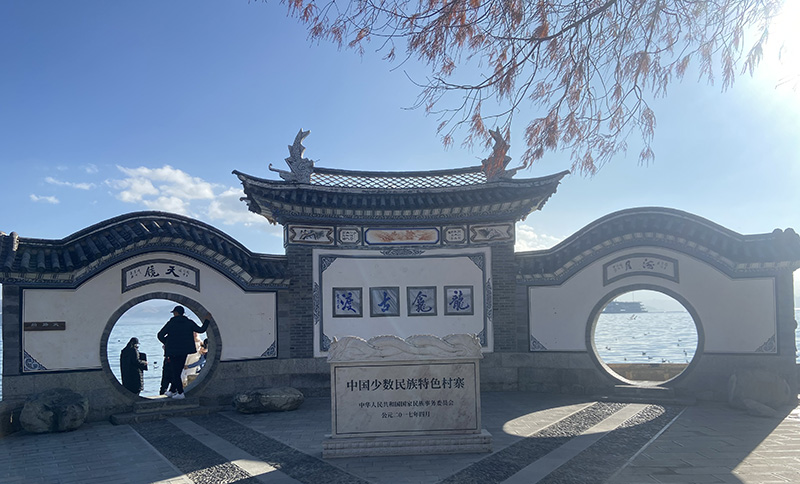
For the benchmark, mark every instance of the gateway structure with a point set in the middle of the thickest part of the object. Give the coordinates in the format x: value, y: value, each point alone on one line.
x: 403, y: 254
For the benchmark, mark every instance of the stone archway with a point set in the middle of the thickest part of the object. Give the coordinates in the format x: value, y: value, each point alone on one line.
x: 215, y: 339
x: 649, y: 374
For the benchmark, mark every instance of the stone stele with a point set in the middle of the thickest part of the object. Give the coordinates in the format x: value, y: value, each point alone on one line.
x: 391, y: 396
x: 55, y: 410
x: 268, y: 400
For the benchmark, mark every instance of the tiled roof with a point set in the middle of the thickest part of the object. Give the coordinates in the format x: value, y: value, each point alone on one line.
x: 352, y: 197
x: 731, y: 252
x: 398, y: 180
x: 72, y: 260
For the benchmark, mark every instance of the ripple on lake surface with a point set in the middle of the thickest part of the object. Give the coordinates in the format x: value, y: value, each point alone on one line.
x: 669, y: 337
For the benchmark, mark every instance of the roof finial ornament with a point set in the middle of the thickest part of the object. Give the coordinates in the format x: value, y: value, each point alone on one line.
x: 494, y: 167
x: 301, y: 167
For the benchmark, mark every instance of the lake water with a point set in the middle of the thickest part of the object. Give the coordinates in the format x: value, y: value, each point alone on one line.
x: 619, y: 338
x: 646, y: 337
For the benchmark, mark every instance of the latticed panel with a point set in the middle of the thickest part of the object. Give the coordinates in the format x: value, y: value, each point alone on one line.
x: 398, y: 181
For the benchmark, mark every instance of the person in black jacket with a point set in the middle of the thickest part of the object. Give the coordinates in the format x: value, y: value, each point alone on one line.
x: 166, y: 377
x: 132, y: 366
x: 178, y: 338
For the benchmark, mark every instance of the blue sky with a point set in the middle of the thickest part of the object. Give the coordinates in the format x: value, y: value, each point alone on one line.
x: 113, y: 107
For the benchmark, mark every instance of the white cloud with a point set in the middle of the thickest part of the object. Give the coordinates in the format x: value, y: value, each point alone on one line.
x: 37, y: 198
x: 229, y: 209
x: 133, y: 190
x: 79, y: 186
x: 90, y: 168
x: 528, y: 239
x: 169, y: 181
x: 169, y: 204
x: 169, y: 189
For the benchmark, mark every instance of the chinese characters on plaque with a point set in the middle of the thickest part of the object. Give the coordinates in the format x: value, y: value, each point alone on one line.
x: 384, y: 301
x: 641, y: 265
x: 421, y: 301
x: 348, y: 302
x: 458, y: 300
x: 152, y: 271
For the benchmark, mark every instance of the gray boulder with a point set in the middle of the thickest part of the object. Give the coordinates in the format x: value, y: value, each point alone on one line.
x: 268, y: 400
x: 764, y: 387
x: 56, y: 410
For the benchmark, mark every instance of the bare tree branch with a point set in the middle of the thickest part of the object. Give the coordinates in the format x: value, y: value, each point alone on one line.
x: 588, y: 66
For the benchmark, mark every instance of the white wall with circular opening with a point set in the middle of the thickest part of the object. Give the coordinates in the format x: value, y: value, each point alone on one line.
x: 645, y: 336
x: 143, y: 321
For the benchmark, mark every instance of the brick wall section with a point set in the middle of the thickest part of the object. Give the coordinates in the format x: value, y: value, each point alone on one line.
x: 787, y: 339
x: 299, y: 303
x: 522, y: 319
x: 12, y: 339
x: 504, y: 271
x: 283, y: 324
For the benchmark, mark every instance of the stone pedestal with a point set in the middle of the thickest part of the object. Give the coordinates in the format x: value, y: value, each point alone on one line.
x: 391, y: 396
x: 418, y: 445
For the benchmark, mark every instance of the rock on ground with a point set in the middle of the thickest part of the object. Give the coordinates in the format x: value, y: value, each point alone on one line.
x: 766, y: 388
x: 268, y: 400
x: 760, y: 410
x: 55, y: 410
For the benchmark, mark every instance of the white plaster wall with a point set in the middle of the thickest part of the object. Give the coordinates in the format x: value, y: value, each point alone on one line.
x: 246, y: 321
x: 736, y: 315
x: 369, y: 268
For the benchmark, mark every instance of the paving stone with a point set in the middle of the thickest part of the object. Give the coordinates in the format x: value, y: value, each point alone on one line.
x: 706, y: 443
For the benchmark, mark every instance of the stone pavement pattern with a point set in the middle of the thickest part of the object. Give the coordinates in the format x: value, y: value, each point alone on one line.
x: 536, y: 439
x: 713, y: 444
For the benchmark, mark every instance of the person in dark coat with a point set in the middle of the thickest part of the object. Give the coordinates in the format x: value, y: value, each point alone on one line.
x: 178, y: 338
x: 166, y: 376
x: 132, y: 367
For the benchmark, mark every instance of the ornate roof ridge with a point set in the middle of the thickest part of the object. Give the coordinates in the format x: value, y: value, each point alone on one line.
x: 398, y: 180
x: 384, y: 173
x: 303, y: 171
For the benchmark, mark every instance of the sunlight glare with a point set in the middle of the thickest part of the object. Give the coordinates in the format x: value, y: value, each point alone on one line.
x: 782, y: 53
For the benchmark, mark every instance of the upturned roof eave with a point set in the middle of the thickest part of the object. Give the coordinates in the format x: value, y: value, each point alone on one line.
x: 108, y: 242
x: 733, y: 252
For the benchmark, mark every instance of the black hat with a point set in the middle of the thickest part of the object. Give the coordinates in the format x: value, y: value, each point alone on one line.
x: 178, y: 309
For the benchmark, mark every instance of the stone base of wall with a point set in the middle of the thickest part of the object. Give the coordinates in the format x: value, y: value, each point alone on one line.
x: 543, y: 372
x: 708, y: 380
x: 648, y: 371
x: 309, y: 375
x: 577, y: 373
x: 104, y: 398
x: 9, y: 416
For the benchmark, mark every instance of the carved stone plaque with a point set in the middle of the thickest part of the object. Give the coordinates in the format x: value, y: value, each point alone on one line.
x: 388, y: 389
